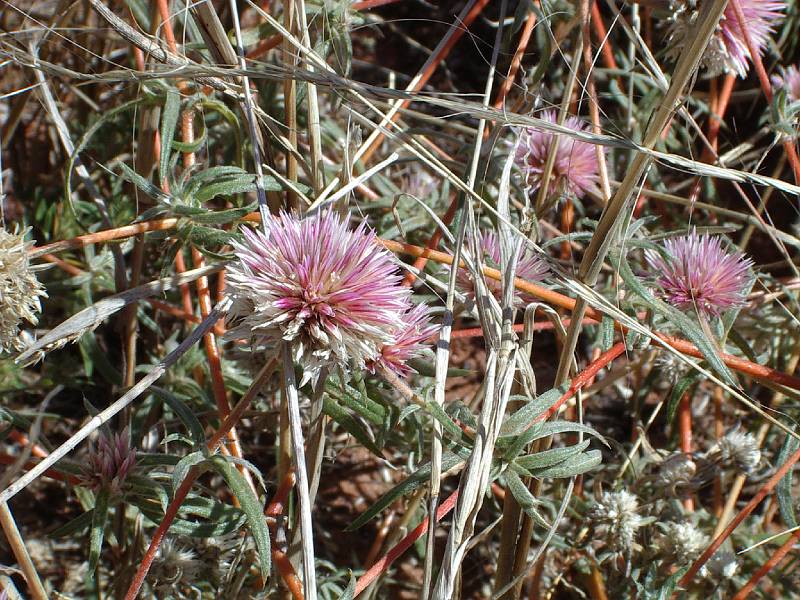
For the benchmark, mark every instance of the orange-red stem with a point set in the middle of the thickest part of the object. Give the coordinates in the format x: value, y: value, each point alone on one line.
x: 741, y: 516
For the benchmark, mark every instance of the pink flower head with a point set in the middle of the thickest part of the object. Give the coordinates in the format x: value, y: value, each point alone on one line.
x: 727, y: 51
x: 575, y: 167
x: 789, y: 81
x: 110, y: 462
x: 334, y: 293
x: 410, y: 342
x: 529, y: 267
x: 697, y: 273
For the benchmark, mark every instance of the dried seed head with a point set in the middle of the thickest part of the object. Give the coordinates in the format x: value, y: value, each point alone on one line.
x: 681, y: 542
x: 529, y: 267
x: 109, y: 463
x: 676, y: 475
x: 19, y: 289
x: 334, y: 293
x: 727, y: 51
x: 722, y: 565
x: 176, y: 568
x: 697, y: 273
x: 575, y: 169
x: 616, y: 517
x: 737, y: 449
x: 670, y: 367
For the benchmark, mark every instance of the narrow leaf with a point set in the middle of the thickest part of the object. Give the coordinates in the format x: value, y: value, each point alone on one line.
x: 99, y: 518
x: 169, y: 120
x: 783, y: 490
x: 184, y: 413
x: 548, y: 458
x: 408, y: 485
x: 521, y: 420
x: 677, y: 393
x: 569, y: 468
x: 252, y: 509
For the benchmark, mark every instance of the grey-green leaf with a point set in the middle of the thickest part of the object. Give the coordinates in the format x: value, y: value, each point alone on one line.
x: 185, y: 414
x: 169, y: 120
x: 783, y: 490
x: 408, y: 485
x: 521, y: 420
x: 99, y: 518
x: 569, y: 468
x: 548, y: 458
x: 252, y: 509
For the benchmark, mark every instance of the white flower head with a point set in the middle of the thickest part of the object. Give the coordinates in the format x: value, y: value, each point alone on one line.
x: 616, y: 517
x: 20, y: 291
x: 737, y: 449
x: 682, y: 542
x: 676, y: 475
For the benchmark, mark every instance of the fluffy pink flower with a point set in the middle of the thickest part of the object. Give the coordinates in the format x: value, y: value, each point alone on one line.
x: 334, y: 293
x: 727, y: 50
x: 529, y: 267
x: 110, y: 462
x: 575, y: 167
x: 698, y: 273
x: 410, y: 342
x: 788, y: 80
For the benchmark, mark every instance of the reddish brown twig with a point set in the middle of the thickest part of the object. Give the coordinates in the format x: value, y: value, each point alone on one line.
x: 433, y: 243
x: 383, y: 563
x: 23, y: 440
x: 368, y: 4
x: 173, y: 310
x: 602, y: 33
x: 104, y: 236
x: 685, y: 433
x: 718, y: 112
x: 279, y: 558
x: 540, y: 326
x: 63, y: 265
x: 516, y: 60
x: 583, y: 378
x: 773, y: 561
x: 265, y: 46
x: 741, y: 516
